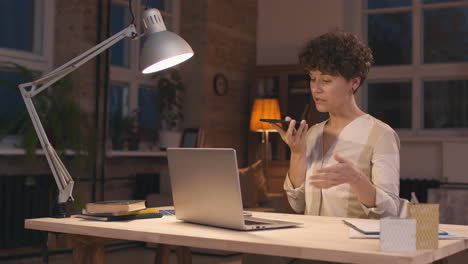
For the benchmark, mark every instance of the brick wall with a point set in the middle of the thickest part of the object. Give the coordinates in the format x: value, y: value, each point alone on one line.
x: 75, y: 32
x: 223, y: 36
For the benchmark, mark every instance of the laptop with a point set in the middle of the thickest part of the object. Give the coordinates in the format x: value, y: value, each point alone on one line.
x: 206, y: 190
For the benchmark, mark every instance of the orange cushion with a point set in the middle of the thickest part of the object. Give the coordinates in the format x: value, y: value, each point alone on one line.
x: 253, y: 185
x: 260, y: 182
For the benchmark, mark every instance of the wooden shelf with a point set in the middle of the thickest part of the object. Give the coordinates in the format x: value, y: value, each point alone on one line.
x: 112, y: 153
x: 299, y: 91
x: 13, y: 151
x: 129, y: 153
x: 19, y: 152
x: 290, y: 84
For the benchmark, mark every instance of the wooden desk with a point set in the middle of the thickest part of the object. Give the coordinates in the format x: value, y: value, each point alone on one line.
x: 320, y: 238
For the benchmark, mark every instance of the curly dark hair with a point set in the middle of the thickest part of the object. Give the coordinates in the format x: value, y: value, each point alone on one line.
x: 338, y: 53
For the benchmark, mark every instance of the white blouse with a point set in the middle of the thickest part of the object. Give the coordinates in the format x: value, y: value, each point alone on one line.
x: 383, y: 169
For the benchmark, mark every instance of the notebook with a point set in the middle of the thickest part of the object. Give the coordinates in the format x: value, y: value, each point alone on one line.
x: 370, y: 228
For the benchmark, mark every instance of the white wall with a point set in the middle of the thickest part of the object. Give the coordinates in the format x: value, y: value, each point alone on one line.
x: 455, y: 161
x: 421, y: 160
x: 285, y: 26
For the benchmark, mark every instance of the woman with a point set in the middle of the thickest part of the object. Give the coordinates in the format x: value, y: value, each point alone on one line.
x: 348, y: 165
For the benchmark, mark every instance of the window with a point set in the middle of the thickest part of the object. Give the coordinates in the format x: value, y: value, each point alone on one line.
x: 148, y: 116
x: 12, y: 107
x: 19, y: 31
x: 445, y: 35
x: 446, y: 104
x: 118, y: 106
x: 26, y: 40
x: 391, y: 103
x: 142, y: 89
x: 120, y: 19
x: 419, y: 83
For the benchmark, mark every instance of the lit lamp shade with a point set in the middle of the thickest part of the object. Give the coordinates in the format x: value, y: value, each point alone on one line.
x: 267, y: 109
x: 162, y: 49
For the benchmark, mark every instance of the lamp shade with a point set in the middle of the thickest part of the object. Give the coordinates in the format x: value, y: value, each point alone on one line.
x: 267, y: 109
x: 162, y: 49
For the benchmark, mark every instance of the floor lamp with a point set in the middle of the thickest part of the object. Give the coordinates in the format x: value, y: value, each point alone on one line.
x: 161, y: 50
x: 267, y: 108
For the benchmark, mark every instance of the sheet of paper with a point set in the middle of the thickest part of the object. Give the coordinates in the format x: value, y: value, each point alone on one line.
x: 354, y: 234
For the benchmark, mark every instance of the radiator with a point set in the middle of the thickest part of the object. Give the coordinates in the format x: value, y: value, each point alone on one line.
x: 419, y: 187
x: 23, y: 197
x: 146, y: 183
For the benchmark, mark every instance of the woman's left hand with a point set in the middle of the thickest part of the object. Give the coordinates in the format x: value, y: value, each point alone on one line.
x: 343, y: 172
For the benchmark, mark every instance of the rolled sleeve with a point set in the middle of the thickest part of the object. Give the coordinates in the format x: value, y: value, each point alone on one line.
x: 386, y: 176
x: 296, y: 196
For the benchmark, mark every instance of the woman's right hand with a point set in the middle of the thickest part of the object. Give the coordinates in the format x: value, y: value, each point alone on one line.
x: 294, y: 138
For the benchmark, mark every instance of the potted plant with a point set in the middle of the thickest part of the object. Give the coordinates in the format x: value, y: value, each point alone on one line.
x: 124, y: 131
x: 117, y: 129
x: 132, y: 131
x: 169, y: 102
x: 64, y: 122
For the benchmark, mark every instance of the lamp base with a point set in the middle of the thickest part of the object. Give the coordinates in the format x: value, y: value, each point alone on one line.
x: 59, y: 211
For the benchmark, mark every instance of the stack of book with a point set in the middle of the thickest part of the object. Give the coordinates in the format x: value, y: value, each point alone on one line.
x: 118, y: 210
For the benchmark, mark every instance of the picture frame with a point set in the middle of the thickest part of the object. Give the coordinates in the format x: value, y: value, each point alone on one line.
x: 220, y: 84
x: 190, y: 138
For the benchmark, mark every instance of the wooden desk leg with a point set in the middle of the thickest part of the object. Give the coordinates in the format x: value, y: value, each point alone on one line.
x: 45, y: 248
x: 441, y: 261
x: 98, y: 255
x: 88, y: 249
x: 81, y: 253
x: 184, y: 256
x: 162, y: 254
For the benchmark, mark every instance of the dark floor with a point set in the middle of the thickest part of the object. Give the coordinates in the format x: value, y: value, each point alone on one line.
x: 146, y: 255
x: 133, y: 255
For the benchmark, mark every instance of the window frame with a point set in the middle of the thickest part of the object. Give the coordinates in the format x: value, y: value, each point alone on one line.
x: 42, y: 62
x: 132, y: 75
x: 417, y: 72
x: 38, y: 62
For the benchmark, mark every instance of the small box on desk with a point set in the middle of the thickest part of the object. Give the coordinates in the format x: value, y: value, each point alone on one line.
x: 397, y: 234
x: 427, y: 224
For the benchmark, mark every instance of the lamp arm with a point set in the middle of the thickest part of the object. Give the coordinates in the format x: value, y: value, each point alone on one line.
x: 62, y: 177
x: 55, y: 75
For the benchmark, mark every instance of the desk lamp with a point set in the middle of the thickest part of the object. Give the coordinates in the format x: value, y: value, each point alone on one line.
x: 161, y: 50
x: 267, y: 108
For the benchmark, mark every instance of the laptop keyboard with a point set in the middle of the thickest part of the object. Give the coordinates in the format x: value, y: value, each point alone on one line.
x: 249, y: 222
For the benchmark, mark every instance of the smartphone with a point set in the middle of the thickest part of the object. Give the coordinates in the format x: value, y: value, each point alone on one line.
x: 286, y: 123
x: 279, y: 121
